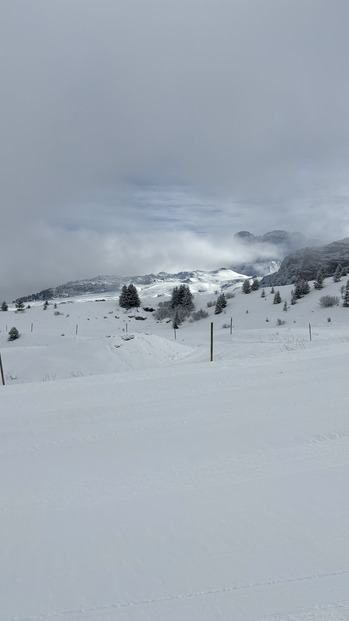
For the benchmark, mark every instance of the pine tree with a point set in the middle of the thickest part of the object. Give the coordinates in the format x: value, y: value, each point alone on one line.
x: 277, y: 298
x: 129, y: 297
x: 293, y: 297
x: 263, y: 293
x: 13, y: 334
x: 246, y: 287
x: 4, y: 306
x: 220, y: 304
x: 176, y: 321
x: 133, y: 297
x: 182, y: 301
x: 319, y: 280
x: 285, y: 307
x: 338, y: 273
x: 19, y: 304
x: 346, y: 298
x: 123, y: 298
x: 45, y: 305
x: 255, y: 284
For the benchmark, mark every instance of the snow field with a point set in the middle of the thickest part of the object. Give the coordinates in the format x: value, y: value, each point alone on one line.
x: 154, y: 484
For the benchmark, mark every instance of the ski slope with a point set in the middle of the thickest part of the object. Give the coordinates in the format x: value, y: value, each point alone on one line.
x: 140, y: 481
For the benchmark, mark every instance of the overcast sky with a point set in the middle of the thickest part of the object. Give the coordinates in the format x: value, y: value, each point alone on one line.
x: 139, y: 136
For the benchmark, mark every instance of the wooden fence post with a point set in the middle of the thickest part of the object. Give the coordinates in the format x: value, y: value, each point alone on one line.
x: 211, y: 341
x: 2, y: 372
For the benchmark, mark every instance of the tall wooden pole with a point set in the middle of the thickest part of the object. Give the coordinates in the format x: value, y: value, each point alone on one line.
x: 211, y: 341
x: 2, y: 372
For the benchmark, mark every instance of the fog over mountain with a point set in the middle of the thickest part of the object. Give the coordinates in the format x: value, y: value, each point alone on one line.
x: 138, y: 137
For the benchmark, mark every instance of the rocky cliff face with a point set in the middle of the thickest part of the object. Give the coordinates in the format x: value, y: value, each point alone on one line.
x: 307, y: 261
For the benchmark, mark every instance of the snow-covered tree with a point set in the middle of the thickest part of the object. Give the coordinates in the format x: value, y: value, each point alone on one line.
x: 277, y: 298
x: 338, y: 273
x: 246, y: 287
x: 255, y: 284
x: 346, y: 298
x: 319, y: 280
x: 129, y: 297
x: 182, y: 297
x: 220, y: 304
x: 4, y: 306
x: 133, y: 296
x: 19, y: 304
x: 13, y: 334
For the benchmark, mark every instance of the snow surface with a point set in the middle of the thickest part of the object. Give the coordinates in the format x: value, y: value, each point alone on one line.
x: 142, y: 482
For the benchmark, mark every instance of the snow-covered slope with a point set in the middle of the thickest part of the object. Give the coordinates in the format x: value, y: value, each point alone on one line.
x: 142, y: 481
x: 150, y: 284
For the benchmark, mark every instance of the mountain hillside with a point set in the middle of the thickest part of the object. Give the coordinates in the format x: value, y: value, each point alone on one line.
x: 306, y: 263
x: 152, y: 285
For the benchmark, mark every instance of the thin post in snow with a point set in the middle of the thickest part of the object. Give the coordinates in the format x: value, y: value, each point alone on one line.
x: 76, y: 329
x: 309, y: 332
x: 175, y: 333
x: 231, y: 325
x: 2, y: 372
x: 31, y: 327
x: 211, y: 341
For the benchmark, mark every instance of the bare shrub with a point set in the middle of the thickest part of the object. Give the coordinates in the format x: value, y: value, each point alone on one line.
x: 280, y: 322
x: 200, y: 314
x: 329, y: 300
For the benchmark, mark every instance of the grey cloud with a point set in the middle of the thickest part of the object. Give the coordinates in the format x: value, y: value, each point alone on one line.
x: 243, y: 103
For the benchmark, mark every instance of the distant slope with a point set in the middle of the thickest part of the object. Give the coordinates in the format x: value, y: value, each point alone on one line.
x: 268, y: 250
x: 152, y: 284
x: 306, y: 263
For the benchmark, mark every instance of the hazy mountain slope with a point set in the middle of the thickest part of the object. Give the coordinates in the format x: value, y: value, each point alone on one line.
x: 150, y: 284
x: 265, y: 253
x: 306, y: 263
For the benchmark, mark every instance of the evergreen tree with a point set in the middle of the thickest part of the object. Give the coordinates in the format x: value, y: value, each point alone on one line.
x: 285, y: 307
x: 293, y: 297
x: 305, y: 287
x: 338, y: 273
x: 346, y: 298
x: 272, y: 290
x: 263, y: 293
x: 176, y: 321
x: 13, y: 334
x: 129, y: 297
x: 4, y: 306
x: 246, y: 287
x: 123, y: 298
x: 133, y: 296
x: 319, y: 280
x: 19, y: 304
x: 45, y: 305
x: 182, y: 296
x: 182, y: 301
x: 220, y: 304
x: 301, y: 288
x: 255, y: 284
x: 277, y: 298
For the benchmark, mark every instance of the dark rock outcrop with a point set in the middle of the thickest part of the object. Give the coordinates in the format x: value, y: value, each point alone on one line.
x: 307, y: 262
